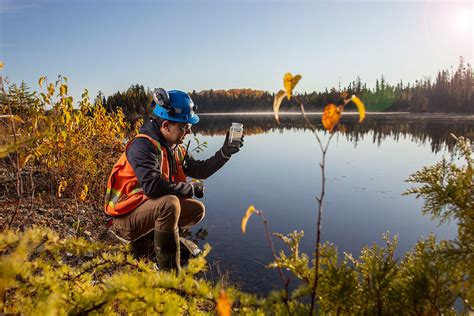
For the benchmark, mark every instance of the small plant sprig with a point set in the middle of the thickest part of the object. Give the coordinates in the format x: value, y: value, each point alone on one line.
x: 330, y: 119
x: 285, y: 280
x: 199, y: 147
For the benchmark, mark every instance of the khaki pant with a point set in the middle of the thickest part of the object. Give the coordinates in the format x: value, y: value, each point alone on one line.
x: 164, y: 214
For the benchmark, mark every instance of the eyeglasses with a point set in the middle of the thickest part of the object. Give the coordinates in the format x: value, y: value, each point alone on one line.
x: 184, y: 126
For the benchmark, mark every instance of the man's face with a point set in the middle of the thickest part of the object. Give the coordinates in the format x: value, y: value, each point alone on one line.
x: 175, y: 132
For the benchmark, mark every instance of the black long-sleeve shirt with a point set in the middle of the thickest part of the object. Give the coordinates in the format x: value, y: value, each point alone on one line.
x: 145, y: 161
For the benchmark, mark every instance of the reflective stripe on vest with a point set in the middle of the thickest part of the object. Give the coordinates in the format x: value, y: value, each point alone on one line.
x: 124, y: 193
x: 113, y: 196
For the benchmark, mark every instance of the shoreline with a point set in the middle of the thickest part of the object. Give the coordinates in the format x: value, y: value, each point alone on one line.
x: 294, y: 113
x: 354, y: 113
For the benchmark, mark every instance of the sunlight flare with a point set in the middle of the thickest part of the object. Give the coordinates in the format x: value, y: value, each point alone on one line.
x: 462, y: 22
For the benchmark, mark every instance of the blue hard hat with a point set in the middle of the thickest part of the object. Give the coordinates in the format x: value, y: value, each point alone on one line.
x: 174, y: 105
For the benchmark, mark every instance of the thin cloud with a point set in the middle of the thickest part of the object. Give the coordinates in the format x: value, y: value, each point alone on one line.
x: 7, y: 45
x: 6, y: 7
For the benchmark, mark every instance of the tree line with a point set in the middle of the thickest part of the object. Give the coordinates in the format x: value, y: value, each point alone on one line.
x: 450, y: 92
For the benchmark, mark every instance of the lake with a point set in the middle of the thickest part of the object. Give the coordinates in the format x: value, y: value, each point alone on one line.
x: 277, y: 170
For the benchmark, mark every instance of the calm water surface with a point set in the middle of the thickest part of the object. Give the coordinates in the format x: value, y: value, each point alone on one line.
x: 277, y: 171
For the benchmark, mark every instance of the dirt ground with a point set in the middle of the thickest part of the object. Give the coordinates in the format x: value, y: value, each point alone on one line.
x: 65, y: 216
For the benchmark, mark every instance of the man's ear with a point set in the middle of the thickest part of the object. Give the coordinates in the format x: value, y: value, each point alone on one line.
x: 166, y: 125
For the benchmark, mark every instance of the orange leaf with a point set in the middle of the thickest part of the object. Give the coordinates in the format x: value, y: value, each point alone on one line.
x: 23, y: 160
x: 276, y: 104
x: 290, y: 82
x: 331, y: 116
x: 223, y: 305
x: 251, y: 209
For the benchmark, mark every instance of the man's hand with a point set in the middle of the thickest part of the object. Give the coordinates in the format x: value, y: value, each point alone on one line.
x: 198, y: 189
x: 228, y: 150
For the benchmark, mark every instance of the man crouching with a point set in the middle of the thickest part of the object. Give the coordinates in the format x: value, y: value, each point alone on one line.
x: 148, y: 189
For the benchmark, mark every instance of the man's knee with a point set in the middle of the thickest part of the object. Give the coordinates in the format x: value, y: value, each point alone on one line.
x: 171, y: 206
x: 171, y: 201
x: 202, y: 211
x: 192, y: 212
x: 168, y: 211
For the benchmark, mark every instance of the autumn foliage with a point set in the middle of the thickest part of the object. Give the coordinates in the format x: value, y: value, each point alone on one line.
x: 73, y: 148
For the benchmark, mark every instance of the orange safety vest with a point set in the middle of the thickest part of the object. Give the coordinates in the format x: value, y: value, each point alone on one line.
x: 124, y: 193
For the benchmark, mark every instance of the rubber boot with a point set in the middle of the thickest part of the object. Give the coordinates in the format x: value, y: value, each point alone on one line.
x: 144, y: 247
x: 167, y: 250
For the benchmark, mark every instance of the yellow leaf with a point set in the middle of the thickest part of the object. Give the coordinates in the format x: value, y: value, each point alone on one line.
x: 77, y: 118
x: 360, y: 107
x: 5, y: 150
x: 331, y: 116
x: 12, y: 117
x: 62, y: 90
x: 251, y: 209
x: 23, y: 160
x: 223, y: 305
x: 62, y: 187
x: 2, y: 64
x: 85, y: 94
x: 84, y: 192
x: 40, y: 81
x: 276, y: 104
x: 67, y: 117
x: 51, y: 89
x: 69, y: 100
x: 289, y: 82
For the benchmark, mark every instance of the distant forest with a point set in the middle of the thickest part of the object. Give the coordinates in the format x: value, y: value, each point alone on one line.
x: 451, y: 92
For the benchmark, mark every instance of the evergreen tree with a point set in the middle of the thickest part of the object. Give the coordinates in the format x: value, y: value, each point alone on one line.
x: 450, y: 92
x: 20, y: 99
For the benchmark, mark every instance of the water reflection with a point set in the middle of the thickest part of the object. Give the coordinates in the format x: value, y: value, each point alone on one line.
x: 434, y: 129
x: 277, y: 171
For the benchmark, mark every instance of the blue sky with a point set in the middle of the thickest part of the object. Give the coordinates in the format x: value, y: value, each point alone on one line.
x: 195, y: 45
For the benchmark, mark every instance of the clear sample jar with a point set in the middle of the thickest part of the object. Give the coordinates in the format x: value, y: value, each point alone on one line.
x: 235, y: 133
